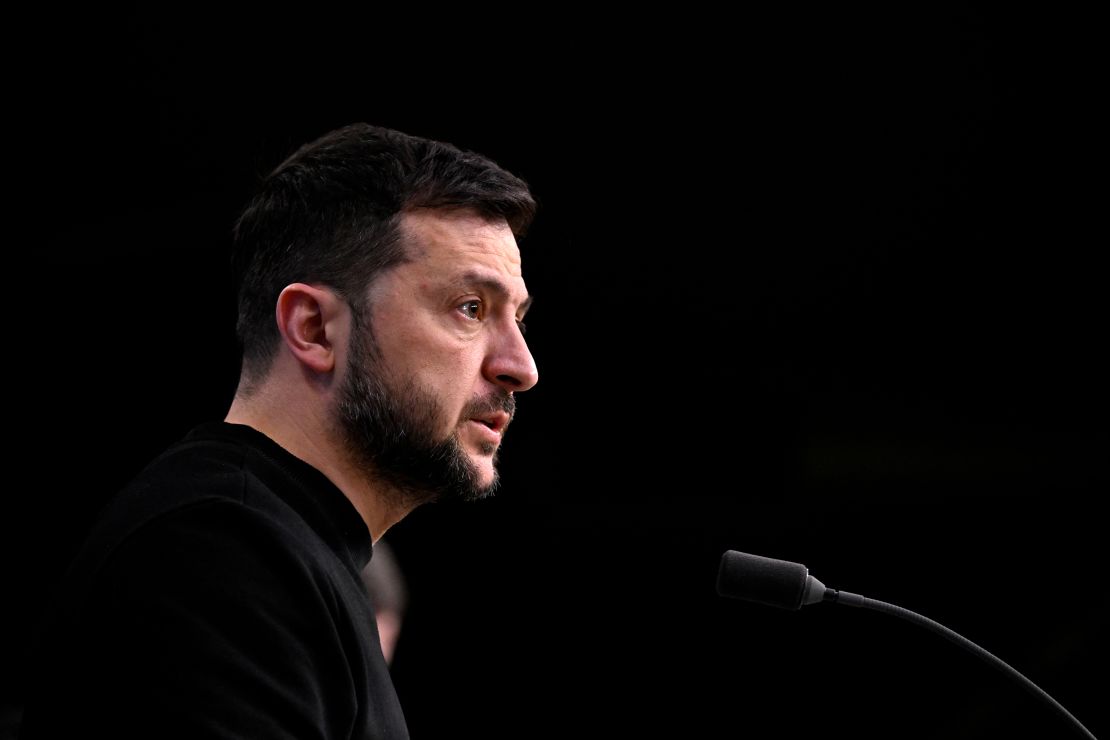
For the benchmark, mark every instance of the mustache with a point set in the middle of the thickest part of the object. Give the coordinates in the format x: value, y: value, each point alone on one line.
x: 503, y: 401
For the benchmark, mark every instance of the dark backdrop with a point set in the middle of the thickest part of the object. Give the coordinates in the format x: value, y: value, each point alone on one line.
x: 828, y: 287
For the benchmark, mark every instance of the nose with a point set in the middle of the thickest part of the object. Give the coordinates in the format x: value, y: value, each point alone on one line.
x: 509, y: 362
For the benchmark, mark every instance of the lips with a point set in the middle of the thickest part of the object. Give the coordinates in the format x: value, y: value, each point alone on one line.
x: 490, y: 416
x: 496, y: 421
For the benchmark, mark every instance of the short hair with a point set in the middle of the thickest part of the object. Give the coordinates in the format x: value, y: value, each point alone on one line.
x: 330, y: 214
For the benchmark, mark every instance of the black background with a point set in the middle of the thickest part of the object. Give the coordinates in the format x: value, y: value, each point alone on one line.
x: 824, y: 286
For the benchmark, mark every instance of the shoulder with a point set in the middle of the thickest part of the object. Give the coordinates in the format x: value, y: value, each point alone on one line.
x: 199, y: 511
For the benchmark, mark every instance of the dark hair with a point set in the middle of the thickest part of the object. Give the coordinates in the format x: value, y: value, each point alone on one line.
x: 330, y: 214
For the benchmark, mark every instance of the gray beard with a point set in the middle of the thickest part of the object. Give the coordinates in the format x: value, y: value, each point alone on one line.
x: 391, y: 433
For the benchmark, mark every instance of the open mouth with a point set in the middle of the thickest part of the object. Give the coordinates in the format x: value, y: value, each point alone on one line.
x: 494, y: 422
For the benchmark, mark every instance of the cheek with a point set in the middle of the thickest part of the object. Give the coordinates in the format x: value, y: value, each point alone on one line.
x: 456, y: 379
x: 449, y: 371
x: 439, y: 374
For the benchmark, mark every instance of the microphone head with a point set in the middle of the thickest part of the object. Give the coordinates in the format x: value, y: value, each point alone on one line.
x: 767, y: 581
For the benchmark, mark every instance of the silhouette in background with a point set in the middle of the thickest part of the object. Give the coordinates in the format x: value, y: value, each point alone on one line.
x: 385, y: 583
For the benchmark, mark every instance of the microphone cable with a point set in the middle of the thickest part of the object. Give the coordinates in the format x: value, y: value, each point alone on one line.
x: 788, y: 585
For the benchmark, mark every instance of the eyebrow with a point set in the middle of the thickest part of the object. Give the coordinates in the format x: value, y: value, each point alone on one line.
x: 493, y: 285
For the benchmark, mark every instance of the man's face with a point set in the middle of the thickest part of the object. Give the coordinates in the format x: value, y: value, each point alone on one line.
x: 426, y: 399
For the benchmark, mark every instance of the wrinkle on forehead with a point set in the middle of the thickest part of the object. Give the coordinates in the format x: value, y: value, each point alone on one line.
x: 446, y: 224
x: 442, y: 236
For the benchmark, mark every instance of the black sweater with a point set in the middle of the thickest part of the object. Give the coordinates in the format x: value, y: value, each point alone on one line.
x: 218, y: 596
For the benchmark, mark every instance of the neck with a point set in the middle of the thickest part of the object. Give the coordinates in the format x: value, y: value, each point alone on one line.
x: 305, y: 433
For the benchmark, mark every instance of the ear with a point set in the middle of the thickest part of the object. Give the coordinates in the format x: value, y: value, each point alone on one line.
x: 312, y: 322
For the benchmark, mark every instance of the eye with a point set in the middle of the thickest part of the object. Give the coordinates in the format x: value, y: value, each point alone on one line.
x: 520, y: 325
x: 471, y: 309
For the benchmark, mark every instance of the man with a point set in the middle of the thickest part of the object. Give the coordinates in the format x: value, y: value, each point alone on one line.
x: 381, y: 306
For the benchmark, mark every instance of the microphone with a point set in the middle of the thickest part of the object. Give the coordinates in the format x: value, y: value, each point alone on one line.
x: 788, y: 585
x: 767, y: 581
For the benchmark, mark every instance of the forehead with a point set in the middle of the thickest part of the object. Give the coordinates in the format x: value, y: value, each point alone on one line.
x: 455, y: 252
x: 443, y: 237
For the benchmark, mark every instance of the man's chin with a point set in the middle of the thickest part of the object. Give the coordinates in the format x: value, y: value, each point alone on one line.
x: 481, y: 494
x: 487, y: 476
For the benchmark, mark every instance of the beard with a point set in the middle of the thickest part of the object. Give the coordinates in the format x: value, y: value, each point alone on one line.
x: 391, y: 432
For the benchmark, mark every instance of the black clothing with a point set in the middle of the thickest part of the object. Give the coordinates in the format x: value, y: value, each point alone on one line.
x: 218, y: 596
